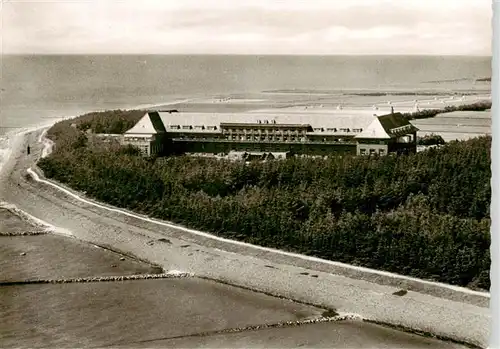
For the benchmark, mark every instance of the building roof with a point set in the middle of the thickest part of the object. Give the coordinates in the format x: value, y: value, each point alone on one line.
x: 359, y: 123
x: 330, y: 121
x: 388, y: 126
x: 374, y: 130
x: 157, y: 122
x: 392, y: 121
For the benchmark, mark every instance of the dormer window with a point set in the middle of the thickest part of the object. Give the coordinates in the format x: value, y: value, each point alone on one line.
x: 175, y: 127
x: 187, y: 127
x: 212, y: 128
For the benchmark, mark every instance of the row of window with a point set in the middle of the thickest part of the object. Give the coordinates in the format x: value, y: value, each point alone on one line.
x: 292, y: 138
x: 138, y: 139
x: 356, y: 130
x: 190, y: 127
x: 372, y: 151
x: 260, y: 138
x: 266, y: 131
x: 401, y: 129
x: 144, y: 149
x: 261, y: 131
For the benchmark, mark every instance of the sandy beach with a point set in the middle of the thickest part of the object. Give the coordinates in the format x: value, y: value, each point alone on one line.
x: 448, y: 312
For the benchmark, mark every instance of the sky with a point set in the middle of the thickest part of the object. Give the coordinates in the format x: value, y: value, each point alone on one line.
x: 421, y: 27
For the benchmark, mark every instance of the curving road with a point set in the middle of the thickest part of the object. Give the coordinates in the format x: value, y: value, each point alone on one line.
x: 459, y: 315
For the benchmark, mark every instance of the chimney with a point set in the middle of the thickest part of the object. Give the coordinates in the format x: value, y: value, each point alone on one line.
x: 392, y: 110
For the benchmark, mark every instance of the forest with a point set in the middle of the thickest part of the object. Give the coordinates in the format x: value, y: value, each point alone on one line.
x: 424, y: 215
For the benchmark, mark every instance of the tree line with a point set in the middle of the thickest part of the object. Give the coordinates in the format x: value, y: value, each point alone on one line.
x: 430, y: 113
x: 424, y: 215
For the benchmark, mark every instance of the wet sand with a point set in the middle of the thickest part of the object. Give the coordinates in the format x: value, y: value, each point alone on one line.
x: 113, y: 313
x: 11, y: 223
x: 325, y: 101
x: 108, y: 313
x: 346, y: 334
x: 57, y: 257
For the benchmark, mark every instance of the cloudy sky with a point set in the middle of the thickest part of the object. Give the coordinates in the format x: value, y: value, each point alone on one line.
x: 441, y: 27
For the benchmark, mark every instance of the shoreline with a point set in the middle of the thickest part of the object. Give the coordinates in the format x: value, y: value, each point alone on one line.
x: 410, y: 323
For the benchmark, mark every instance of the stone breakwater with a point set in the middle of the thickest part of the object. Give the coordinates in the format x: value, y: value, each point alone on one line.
x: 339, y: 317
x: 322, y: 319
x: 285, y: 324
x: 168, y: 275
x: 425, y: 334
x: 24, y: 233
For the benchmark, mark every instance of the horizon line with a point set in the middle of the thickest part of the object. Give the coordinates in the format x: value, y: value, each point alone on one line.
x: 243, y: 54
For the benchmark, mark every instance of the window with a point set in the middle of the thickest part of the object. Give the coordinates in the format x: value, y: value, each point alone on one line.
x: 362, y: 151
x: 381, y: 151
x: 187, y: 127
x: 372, y: 152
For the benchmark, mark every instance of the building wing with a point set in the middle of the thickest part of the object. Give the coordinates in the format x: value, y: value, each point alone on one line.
x: 388, y: 126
